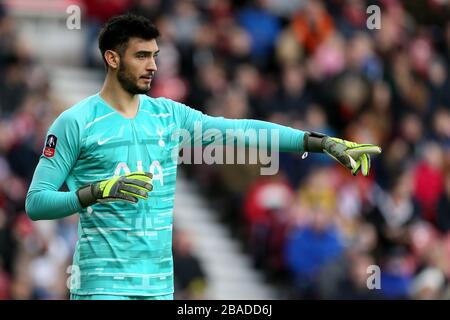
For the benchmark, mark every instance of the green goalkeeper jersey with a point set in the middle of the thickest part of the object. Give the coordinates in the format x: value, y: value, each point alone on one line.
x: 123, y: 248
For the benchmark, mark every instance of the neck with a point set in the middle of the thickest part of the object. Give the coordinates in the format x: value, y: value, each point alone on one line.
x: 124, y: 102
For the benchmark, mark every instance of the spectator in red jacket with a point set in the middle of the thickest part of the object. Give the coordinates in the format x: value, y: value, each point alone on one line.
x: 429, y: 181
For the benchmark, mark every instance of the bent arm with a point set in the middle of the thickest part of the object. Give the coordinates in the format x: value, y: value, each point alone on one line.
x: 44, y: 201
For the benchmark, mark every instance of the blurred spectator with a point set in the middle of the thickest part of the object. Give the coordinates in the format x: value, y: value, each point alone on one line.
x: 443, y: 208
x: 263, y: 28
x: 288, y: 51
x: 379, y: 118
x: 441, y: 127
x: 328, y: 59
x: 148, y: 8
x: 396, y: 274
x: 308, y: 248
x: 13, y: 87
x: 361, y: 56
x: 412, y: 132
x: 353, y: 17
x: 349, y: 92
x: 315, y: 242
x: 185, y: 20
x: 190, y: 279
x: 312, y: 25
x: 292, y: 98
x: 428, y: 180
x: 346, y: 278
x: 428, y: 285
x: 438, y: 75
x: 393, y: 214
x: 265, y: 207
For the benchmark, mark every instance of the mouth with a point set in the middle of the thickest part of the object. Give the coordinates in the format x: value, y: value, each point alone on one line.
x: 146, y: 78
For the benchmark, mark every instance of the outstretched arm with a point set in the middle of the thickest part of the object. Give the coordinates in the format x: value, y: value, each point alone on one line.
x: 203, y: 129
x: 352, y: 155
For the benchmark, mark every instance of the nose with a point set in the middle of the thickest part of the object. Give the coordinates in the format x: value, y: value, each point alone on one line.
x: 152, y: 65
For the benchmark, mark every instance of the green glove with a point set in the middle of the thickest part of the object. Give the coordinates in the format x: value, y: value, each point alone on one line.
x: 352, y: 155
x: 128, y: 188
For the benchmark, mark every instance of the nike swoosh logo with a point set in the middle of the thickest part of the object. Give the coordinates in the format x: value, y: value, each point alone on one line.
x: 98, y: 119
x: 101, y: 142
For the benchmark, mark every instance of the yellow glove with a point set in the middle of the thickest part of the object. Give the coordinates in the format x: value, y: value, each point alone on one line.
x: 129, y: 188
x: 352, y: 155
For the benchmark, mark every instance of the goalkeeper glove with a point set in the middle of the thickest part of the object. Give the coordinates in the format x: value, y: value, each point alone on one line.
x: 128, y: 188
x: 353, y: 156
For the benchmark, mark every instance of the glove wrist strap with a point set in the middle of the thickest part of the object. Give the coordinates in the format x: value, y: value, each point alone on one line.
x: 313, y: 141
x: 85, y: 196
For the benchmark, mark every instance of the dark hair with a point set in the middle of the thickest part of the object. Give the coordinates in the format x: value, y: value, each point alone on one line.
x: 118, y: 30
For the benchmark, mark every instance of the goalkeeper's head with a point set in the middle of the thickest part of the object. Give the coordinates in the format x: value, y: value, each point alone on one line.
x: 129, y: 49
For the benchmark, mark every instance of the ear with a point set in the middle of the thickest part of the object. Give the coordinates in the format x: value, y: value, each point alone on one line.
x: 112, y: 59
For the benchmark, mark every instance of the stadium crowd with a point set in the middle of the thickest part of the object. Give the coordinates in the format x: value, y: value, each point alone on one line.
x: 313, y: 228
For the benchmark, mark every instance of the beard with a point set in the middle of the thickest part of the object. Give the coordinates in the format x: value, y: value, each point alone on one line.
x: 129, y: 82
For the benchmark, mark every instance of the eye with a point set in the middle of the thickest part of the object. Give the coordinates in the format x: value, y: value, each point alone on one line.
x: 140, y: 56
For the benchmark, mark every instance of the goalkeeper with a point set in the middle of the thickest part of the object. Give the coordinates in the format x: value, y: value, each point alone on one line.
x: 114, y: 152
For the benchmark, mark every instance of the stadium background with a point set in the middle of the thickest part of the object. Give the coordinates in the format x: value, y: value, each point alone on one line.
x: 310, y: 231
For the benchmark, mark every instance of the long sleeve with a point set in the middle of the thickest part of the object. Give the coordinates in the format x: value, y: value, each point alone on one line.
x: 61, y: 150
x: 252, y: 133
